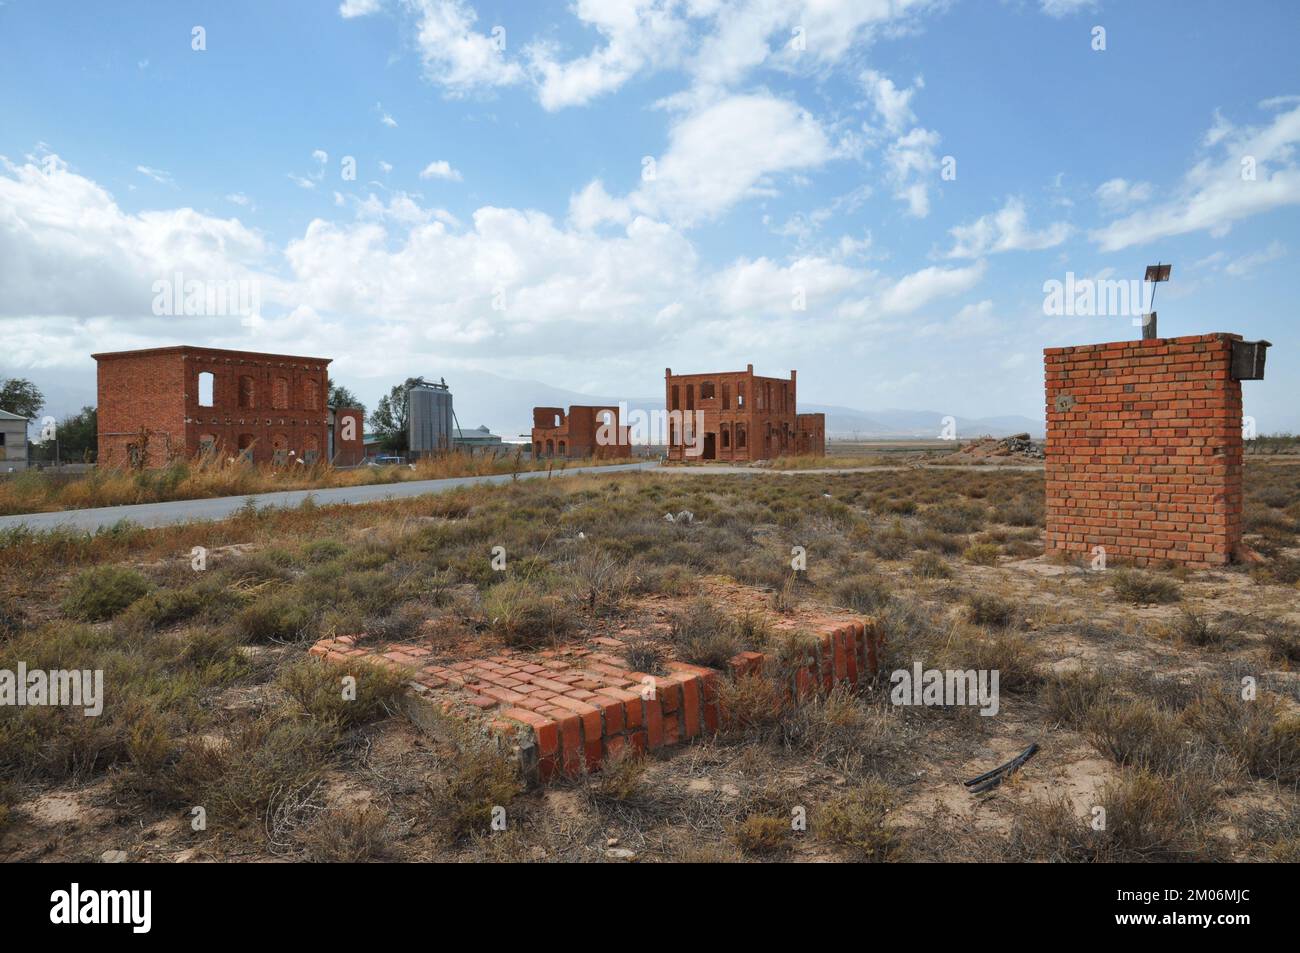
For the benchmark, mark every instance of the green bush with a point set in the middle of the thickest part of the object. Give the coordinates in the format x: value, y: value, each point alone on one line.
x: 102, y: 592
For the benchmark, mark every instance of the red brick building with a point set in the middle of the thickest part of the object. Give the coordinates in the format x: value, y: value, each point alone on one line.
x: 575, y: 435
x: 1144, y: 450
x: 746, y: 417
x: 158, y: 404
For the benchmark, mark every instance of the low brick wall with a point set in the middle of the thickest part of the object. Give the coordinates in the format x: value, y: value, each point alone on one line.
x: 1144, y: 450
x: 566, y: 711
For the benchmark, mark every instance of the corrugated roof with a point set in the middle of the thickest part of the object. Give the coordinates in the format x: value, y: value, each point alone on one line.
x: 5, y: 415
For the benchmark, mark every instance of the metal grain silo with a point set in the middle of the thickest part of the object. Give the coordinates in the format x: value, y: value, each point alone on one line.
x: 429, y: 419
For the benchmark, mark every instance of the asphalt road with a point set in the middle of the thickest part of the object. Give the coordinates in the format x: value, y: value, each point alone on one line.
x: 186, y: 511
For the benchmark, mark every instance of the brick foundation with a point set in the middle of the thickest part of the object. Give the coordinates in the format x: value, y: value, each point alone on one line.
x: 566, y: 711
x: 1144, y: 450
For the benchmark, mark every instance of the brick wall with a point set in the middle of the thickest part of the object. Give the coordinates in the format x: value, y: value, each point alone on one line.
x: 1144, y: 450
x: 576, y: 436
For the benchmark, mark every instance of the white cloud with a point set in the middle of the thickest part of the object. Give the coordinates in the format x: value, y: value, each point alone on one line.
x: 593, y: 206
x: 918, y: 289
x: 160, y: 176
x: 1005, y: 230
x: 1116, y: 195
x: 893, y: 105
x: 1216, y: 191
x: 67, y: 249
x: 1063, y: 8
x: 454, y: 54
x: 440, y: 169
x: 636, y: 35
x: 761, y: 286
x: 910, y: 161
x: 717, y: 42
x: 727, y: 151
x: 358, y: 8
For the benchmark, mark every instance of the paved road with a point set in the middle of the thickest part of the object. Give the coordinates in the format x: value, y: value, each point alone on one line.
x: 185, y: 511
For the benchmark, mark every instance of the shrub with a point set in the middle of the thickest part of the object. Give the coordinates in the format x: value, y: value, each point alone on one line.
x: 750, y: 703
x: 989, y: 610
x: 462, y: 802
x: 102, y: 592
x: 704, y: 635
x: 764, y: 834
x: 982, y: 554
x: 642, y: 655
x: 856, y: 820
x: 955, y: 517
x: 317, y: 687
x: 278, y: 617
x: 1142, y: 588
x: 1069, y: 697
x: 524, y: 614
x: 864, y: 592
x: 346, y: 835
x: 930, y: 566
x: 1136, y: 733
x: 238, y: 777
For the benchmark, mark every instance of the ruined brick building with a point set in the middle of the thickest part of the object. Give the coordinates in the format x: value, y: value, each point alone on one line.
x: 160, y: 404
x: 575, y: 435
x: 746, y: 417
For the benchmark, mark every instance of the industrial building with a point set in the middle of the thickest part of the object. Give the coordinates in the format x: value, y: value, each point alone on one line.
x: 13, y: 442
x: 738, y: 416
x: 430, y: 419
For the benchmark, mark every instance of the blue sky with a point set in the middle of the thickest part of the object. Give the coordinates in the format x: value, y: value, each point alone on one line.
x: 503, y: 217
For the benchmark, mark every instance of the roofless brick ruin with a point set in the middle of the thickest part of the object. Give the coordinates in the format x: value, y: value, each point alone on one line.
x: 161, y: 404
x: 745, y: 417
x: 1144, y: 449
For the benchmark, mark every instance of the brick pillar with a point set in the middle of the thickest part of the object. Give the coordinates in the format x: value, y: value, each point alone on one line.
x: 1144, y: 450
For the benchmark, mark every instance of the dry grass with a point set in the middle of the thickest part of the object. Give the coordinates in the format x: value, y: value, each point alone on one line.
x: 213, y: 704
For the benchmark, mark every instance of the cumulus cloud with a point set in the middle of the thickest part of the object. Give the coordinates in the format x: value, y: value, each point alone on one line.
x: 1005, y: 230
x: 440, y: 169
x: 455, y: 55
x: 68, y: 249
x: 727, y: 151
x: 1245, y: 171
x: 357, y: 8
x: 915, y: 291
x: 1116, y: 195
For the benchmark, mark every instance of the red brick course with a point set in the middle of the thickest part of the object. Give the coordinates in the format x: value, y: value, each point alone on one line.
x: 1144, y: 450
x: 566, y: 711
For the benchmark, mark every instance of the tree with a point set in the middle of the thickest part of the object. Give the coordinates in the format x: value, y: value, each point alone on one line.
x: 340, y: 396
x: 78, y: 437
x: 389, y: 418
x: 21, y: 397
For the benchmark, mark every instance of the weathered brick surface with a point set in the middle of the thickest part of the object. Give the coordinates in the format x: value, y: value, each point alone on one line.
x: 1144, y: 450
x: 565, y: 711
x: 156, y: 390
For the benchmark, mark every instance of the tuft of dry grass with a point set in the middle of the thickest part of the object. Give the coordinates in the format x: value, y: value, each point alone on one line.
x: 1140, y: 588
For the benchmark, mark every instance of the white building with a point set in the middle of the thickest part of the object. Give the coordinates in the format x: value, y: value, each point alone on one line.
x: 13, y: 442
